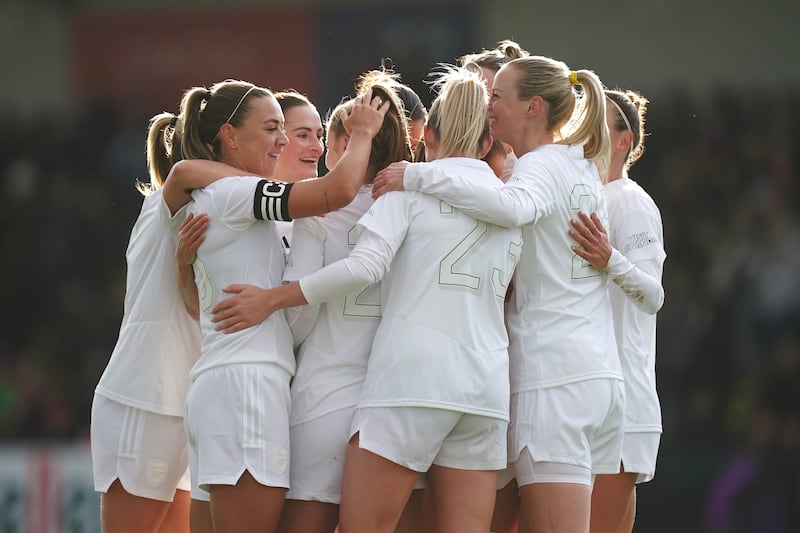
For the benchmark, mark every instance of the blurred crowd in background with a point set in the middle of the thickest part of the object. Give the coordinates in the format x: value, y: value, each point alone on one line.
x: 723, y: 168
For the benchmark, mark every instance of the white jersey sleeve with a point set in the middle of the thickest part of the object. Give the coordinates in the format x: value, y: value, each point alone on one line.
x: 243, y: 199
x: 639, y: 281
x: 367, y: 264
x: 636, y: 234
x: 521, y: 200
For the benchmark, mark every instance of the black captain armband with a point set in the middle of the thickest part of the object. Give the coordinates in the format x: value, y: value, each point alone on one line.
x: 271, y: 201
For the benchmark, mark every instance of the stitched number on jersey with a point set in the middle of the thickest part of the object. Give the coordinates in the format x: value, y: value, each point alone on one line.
x: 356, y: 305
x: 205, y: 289
x: 500, y: 288
x: 582, y: 198
x: 447, y: 266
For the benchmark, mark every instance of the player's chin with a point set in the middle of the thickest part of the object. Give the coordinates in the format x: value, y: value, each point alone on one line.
x: 269, y: 165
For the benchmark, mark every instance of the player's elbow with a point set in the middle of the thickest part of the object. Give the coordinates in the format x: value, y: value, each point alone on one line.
x: 342, y: 195
x: 658, y: 302
x: 651, y: 306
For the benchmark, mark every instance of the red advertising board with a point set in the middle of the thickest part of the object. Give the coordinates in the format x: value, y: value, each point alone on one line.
x: 144, y: 61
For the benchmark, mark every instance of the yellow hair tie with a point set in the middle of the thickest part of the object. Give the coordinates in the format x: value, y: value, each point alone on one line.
x: 573, y: 78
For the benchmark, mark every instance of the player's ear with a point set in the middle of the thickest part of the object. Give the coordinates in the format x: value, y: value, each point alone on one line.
x: 429, y: 138
x: 486, y: 146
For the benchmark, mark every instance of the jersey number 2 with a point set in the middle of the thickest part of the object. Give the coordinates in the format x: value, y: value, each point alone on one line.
x: 354, y: 305
x: 447, y: 266
x: 582, y: 198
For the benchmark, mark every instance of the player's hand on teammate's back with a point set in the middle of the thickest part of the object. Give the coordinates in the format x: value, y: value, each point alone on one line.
x: 389, y: 179
x: 246, y: 308
x: 592, y: 239
x: 190, y: 236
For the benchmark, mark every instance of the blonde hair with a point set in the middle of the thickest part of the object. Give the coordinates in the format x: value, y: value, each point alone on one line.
x: 391, y: 144
x: 633, y: 107
x: 205, y: 111
x: 163, y: 150
x: 459, y: 116
x: 574, y: 119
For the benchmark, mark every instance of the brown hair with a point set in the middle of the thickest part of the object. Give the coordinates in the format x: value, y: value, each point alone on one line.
x: 290, y: 98
x: 634, y: 107
x: 391, y: 144
x: 205, y: 111
x: 412, y: 104
x: 505, y: 51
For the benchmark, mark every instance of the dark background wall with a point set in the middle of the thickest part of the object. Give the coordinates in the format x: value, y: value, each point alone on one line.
x: 81, y: 78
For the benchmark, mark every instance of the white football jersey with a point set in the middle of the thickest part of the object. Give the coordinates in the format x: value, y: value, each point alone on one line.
x: 332, y: 359
x: 158, y: 341
x: 635, y: 229
x: 559, y: 316
x: 241, y: 247
x: 442, y: 342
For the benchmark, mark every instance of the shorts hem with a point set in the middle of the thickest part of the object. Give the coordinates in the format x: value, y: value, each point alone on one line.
x: 499, y: 466
x: 103, y: 488
x: 556, y: 459
x: 561, y: 480
x: 645, y: 472
x: 232, y: 480
x: 606, y: 469
x: 200, y: 495
x: 309, y: 497
x: 389, y: 456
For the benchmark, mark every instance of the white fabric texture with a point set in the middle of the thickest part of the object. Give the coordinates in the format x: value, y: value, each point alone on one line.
x: 158, y: 341
x: 559, y: 316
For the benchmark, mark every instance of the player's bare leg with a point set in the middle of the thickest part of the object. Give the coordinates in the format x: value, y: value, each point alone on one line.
x: 614, y: 503
x: 301, y: 516
x: 200, y: 517
x: 414, y: 514
x: 123, y: 512
x: 374, y: 491
x: 246, y: 507
x: 177, y: 517
x: 556, y: 507
x: 463, y: 500
x: 505, y: 518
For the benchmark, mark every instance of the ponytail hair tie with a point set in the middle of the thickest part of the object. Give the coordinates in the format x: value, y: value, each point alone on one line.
x: 173, y: 121
x: 208, y: 96
x: 573, y: 78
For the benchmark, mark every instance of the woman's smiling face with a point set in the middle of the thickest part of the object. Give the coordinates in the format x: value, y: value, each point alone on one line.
x: 300, y: 158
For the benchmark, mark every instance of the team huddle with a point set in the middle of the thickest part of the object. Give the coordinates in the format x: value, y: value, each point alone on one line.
x: 451, y: 330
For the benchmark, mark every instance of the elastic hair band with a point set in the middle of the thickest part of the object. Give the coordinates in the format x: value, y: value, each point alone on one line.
x: 624, y: 116
x: 235, y: 109
x: 173, y: 121
x: 208, y: 96
x: 573, y: 78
